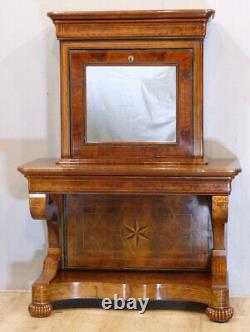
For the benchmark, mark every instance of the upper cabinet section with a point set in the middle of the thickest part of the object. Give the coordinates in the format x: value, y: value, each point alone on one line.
x: 167, y: 24
x: 132, y: 85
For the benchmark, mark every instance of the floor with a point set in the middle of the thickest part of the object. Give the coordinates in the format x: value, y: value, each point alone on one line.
x: 15, y: 318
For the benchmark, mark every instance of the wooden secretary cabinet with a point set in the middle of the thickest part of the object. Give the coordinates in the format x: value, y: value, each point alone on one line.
x: 133, y: 208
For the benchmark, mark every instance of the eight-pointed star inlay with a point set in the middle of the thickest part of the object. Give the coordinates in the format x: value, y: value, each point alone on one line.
x: 136, y: 232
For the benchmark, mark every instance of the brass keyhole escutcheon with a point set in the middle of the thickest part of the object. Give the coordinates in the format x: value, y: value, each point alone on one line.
x: 130, y: 58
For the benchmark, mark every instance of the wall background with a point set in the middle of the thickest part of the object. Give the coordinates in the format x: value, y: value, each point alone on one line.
x: 29, y: 126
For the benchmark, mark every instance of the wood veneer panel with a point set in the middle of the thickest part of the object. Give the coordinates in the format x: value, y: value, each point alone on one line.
x: 136, y: 232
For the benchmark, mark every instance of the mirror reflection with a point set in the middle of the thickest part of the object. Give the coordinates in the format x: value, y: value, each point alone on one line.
x: 131, y: 103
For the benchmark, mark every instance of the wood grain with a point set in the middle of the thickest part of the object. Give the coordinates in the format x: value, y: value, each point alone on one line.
x: 136, y: 232
x: 172, y: 34
x: 132, y: 24
x: 181, y: 58
x: 132, y: 219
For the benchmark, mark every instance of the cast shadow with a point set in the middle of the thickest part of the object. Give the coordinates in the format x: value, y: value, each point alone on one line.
x: 216, y: 149
x: 23, y: 273
x: 17, y: 151
x: 224, y: 99
x: 183, y: 4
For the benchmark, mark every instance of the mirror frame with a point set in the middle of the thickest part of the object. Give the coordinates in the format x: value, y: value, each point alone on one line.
x: 182, y: 58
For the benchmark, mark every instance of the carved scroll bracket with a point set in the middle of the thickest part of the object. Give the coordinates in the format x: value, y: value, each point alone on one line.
x: 42, y: 207
x: 219, y: 309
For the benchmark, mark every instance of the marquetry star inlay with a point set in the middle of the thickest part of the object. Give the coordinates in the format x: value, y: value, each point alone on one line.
x: 136, y: 233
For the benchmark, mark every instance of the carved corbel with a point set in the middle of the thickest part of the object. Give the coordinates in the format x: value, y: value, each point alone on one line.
x: 219, y: 309
x: 42, y: 207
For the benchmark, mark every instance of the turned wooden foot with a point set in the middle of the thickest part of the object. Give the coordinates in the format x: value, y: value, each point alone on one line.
x: 40, y: 310
x: 219, y: 315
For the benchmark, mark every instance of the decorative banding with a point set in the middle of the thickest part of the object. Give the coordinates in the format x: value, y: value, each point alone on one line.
x: 40, y: 310
x: 219, y: 315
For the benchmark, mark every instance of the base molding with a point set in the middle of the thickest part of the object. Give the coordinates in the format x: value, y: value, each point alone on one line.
x: 157, y: 286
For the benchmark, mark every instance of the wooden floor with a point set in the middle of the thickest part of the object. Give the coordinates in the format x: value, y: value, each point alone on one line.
x: 14, y: 317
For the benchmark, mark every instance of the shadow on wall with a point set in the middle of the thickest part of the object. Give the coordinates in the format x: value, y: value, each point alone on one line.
x: 221, y: 150
x: 184, y: 4
x: 19, y: 151
x: 226, y: 109
x: 33, y: 116
x: 35, y: 84
x: 227, y: 118
x: 23, y: 273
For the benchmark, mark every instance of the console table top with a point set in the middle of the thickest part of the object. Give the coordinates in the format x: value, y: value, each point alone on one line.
x: 214, y: 168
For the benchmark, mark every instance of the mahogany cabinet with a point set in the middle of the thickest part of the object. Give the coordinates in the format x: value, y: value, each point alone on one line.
x: 132, y: 207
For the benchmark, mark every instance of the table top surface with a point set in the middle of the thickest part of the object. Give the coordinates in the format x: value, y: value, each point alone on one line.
x: 213, y: 168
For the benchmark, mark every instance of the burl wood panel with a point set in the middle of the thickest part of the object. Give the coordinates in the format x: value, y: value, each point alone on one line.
x: 136, y: 232
x: 66, y: 108
x: 182, y: 59
x: 138, y: 32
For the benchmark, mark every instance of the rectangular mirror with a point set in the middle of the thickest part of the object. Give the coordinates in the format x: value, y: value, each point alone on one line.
x: 131, y: 103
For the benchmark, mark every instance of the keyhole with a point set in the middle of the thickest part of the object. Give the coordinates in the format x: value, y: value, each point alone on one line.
x: 130, y: 58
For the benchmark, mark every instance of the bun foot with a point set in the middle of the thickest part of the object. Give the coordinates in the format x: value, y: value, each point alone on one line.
x: 219, y: 315
x: 40, y: 310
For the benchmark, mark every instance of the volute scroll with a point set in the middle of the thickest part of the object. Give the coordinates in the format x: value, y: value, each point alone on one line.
x: 42, y: 207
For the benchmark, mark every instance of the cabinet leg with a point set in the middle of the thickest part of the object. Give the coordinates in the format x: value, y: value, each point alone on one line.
x: 42, y: 207
x: 219, y: 315
x: 219, y: 309
x: 40, y: 306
